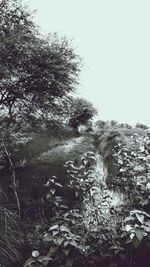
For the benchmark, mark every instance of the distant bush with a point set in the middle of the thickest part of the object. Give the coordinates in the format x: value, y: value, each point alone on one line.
x: 81, y: 112
x: 124, y: 125
x: 142, y: 126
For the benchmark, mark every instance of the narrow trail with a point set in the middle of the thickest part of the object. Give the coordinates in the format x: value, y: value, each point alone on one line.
x: 64, y: 148
x: 100, y: 201
x: 70, y: 149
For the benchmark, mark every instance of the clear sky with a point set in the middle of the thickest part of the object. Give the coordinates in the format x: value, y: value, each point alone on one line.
x: 113, y: 37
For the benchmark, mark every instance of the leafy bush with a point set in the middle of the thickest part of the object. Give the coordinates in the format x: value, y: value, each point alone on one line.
x: 133, y: 178
x: 133, y: 174
x: 70, y: 239
x: 106, y: 143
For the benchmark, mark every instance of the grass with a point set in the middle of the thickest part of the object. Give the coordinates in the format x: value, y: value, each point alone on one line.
x: 9, y: 239
x: 41, y: 142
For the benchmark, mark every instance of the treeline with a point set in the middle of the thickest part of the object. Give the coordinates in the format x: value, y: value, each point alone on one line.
x: 115, y: 124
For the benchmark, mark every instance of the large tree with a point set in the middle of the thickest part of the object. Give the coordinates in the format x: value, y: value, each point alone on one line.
x: 36, y: 73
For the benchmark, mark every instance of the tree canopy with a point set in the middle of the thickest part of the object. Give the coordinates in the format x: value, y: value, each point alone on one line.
x: 81, y: 112
x: 36, y: 73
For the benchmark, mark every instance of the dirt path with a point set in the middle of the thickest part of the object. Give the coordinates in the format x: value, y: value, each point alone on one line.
x: 70, y: 149
x: 100, y: 200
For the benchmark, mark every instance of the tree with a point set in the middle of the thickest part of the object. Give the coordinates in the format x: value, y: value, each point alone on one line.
x: 81, y: 112
x: 141, y: 126
x: 101, y: 124
x: 36, y: 74
x: 113, y: 123
x: 124, y: 125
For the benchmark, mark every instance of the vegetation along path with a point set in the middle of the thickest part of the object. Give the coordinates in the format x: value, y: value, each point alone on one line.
x: 98, y: 200
x: 72, y: 149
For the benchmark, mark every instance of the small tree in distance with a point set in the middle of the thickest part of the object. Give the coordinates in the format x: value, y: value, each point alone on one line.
x: 141, y: 126
x: 81, y: 112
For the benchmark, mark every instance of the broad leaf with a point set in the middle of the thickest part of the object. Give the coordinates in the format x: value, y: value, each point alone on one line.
x: 140, y: 218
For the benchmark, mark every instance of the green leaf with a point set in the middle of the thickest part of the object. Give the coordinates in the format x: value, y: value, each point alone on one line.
x: 29, y: 262
x: 53, y: 191
x: 48, y: 238
x: 140, y: 217
x: 55, y: 233
x: 48, y: 196
x: 66, y: 243
x: 60, y: 240
x: 146, y: 228
x: 140, y: 212
x: 54, y: 227
x: 116, y: 248
x: 144, y: 202
x: 58, y: 184
x: 63, y: 228
x: 73, y: 243
x: 42, y: 259
x: 77, y: 194
x: 139, y: 233
x: 129, y: 218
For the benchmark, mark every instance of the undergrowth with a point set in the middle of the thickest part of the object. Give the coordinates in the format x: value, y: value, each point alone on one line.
x: 72, y: 221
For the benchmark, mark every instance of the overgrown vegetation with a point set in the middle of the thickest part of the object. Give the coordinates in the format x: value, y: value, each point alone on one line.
x: 85, y: 228
x: 66, y: 199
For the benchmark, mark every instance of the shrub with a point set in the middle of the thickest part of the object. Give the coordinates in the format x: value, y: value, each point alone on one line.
x: 106, y: 144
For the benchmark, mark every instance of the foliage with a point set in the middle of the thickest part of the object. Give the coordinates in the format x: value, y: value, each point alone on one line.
x: 137, y: 226
x: 142, y: 126
x: 132, y: 178
x: 36, y: 73
x: 81, y: 112
x: 106, y: 143
x: 77, y: 223
x: 58, y: 239
x: 113, y: 123
x: 68, y: 236
x: 134, y: 170
x: 79, y: 172
x: 125, y: 125
x: 72, y: 220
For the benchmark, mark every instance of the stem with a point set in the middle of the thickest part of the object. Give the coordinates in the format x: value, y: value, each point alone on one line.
x: 13, y: 176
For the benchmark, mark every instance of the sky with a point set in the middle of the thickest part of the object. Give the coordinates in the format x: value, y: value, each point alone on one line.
x: 113, y: 38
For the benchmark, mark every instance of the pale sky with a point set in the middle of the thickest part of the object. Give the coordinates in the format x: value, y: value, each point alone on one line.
x: 113, y: 38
